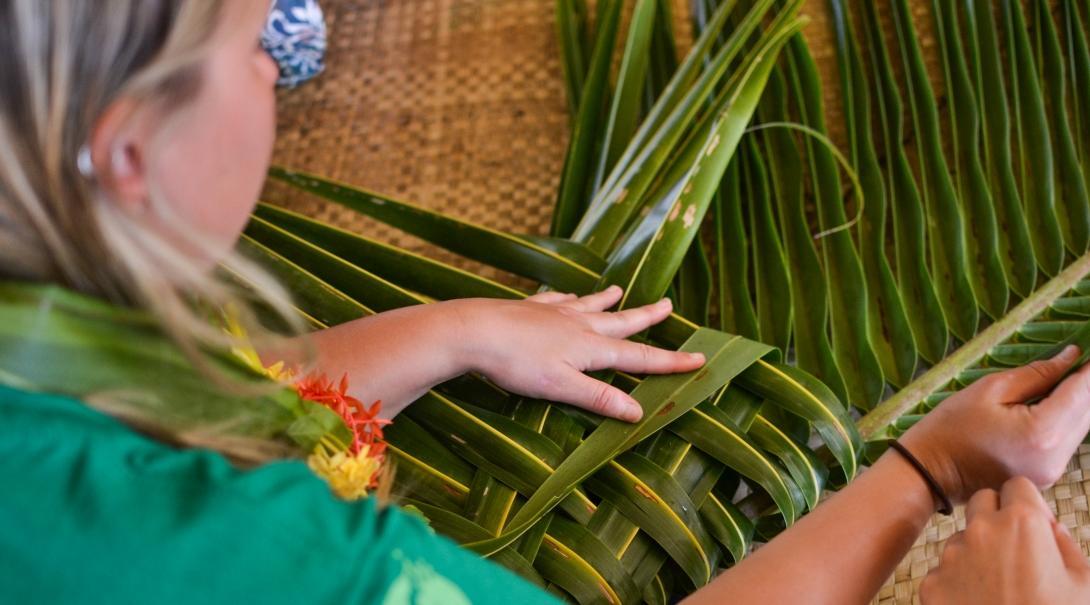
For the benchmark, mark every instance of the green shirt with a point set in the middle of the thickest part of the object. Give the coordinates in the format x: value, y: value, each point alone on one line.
x: 93, y: 512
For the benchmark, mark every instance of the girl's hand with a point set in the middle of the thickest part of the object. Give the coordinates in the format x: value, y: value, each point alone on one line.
x: 1012, y: 551
x: 541, y: 346
x: 986, y: 434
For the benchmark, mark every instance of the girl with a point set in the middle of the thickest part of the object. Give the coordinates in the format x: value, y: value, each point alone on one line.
x: 134, y: 140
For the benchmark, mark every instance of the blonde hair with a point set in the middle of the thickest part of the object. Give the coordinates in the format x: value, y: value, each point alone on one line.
x: 63, y: 63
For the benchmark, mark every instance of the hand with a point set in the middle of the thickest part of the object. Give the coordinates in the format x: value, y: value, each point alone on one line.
x: 541, y: 346
x: 985, y: 434
x: 1012, y: 551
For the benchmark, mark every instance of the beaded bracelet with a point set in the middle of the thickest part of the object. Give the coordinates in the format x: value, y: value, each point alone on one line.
x: 947, y: 508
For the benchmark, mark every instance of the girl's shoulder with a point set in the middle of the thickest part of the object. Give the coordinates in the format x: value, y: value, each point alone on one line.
x: 90, y: 502
x: 23, y: 406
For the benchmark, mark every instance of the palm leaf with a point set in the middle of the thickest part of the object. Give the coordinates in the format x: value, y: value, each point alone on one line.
x: 1034, y: 161
x: 890, y: 333
x: 1015, y: 250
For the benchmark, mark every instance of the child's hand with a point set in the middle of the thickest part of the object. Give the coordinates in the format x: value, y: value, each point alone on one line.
x: 1012, y: 551
x: 986, y: 434
x: 541, y: 346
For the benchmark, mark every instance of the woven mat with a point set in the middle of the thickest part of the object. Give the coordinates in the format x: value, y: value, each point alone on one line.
x: 454, y: 104
x: 459, y: 105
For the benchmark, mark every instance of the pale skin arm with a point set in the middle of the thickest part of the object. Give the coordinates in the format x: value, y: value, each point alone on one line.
x: 539, y: 347
x: 843, y: 551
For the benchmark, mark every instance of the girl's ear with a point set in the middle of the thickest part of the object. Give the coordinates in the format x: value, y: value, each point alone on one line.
x: 118, y: 148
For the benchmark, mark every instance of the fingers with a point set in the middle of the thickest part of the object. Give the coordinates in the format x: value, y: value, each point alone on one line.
x: 1026, y: 520
x: 984, y: 501
x: 1070, y: 551
x: 625, y: 323
x: 639, y: 358
x: 1022, y: 491
x: 954, y: 543
x: 1036, y: 378
x: 550, y: 298
x: 599, y: 301
x: 596, y: 396
x: 621, y: 324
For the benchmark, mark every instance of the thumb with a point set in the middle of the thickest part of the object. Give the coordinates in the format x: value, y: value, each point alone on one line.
x: 1070, y: 551
x: 1036, y: 378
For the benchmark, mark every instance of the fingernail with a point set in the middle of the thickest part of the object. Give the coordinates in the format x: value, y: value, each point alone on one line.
x: 1069, y: 352
x: 697, y: 357
x: 632, y: 411
x: 613, y: 288
x: 1063, y: 528
x: 666, y: 302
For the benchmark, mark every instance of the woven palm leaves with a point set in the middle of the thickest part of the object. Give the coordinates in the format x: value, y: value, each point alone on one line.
x: 680, y: 179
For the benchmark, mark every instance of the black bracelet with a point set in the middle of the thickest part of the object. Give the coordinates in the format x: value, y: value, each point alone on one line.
x: 936, y: 489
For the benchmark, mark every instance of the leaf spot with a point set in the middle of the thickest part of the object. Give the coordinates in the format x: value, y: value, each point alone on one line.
x: 643, y: 491
x: 713, y: 145
x: 690, y: 216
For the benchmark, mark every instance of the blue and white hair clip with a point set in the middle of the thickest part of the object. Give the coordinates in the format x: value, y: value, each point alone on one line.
x: 295, y: 36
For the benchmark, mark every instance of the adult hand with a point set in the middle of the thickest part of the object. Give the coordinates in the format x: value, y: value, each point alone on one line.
x: 986, y: 434
x: 541, y: 346
x: 1012, y: 551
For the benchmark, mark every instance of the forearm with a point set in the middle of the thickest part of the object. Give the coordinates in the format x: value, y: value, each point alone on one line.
x: 842, y: 551
x: 395, y: 356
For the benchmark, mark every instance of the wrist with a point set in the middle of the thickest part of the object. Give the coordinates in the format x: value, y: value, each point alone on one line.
x: 945, y: 506
x: 466, y: 335
x: 937, y: 462
x: 916, y: 496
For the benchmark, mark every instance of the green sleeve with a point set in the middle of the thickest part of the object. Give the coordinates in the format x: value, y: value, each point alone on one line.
x: 95, y: 513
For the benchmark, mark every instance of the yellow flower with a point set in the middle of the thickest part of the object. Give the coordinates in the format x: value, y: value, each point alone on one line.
x: 245, y: 352
x: 349, y: 475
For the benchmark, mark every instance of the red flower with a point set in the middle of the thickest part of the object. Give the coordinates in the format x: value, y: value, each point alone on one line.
x: 362, y: 421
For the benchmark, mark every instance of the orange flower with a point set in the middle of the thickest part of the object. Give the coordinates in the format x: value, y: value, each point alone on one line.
x: 354, y: 470
x: 362, y: 421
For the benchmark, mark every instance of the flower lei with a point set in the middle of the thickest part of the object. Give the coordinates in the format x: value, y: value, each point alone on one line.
x: 350, y: 470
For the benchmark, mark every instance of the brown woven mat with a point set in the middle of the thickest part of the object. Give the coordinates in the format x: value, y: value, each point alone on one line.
x: 454, y: 104
x: 459, y: 105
